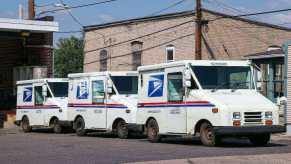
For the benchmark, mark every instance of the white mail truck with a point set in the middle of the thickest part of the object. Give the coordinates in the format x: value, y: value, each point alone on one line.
x: 103, y: 102
x: 211, y: 99
x: 42, y: 103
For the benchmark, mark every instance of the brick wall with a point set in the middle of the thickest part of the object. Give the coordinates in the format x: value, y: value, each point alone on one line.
x: 223, y: 39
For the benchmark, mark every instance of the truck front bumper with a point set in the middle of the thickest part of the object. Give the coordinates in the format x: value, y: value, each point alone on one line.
x: 248, y: 130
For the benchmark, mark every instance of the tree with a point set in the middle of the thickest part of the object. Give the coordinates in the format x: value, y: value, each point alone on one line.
x: 68, y: 56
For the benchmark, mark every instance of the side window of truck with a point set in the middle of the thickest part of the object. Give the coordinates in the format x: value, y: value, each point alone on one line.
x: 175, y: 87
x: 39, y: 99
x: 98, y: 93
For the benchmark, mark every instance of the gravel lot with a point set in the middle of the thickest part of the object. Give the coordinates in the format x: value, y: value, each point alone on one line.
x: 44, y: 147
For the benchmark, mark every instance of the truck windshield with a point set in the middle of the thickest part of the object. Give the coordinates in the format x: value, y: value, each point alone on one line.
x: 223, y: 77
x: 59, y: 89
x: 125, y: 84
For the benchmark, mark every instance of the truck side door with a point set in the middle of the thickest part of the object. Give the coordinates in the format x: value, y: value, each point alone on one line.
x: 99, y: 101
x: 38, y: 113
x: 176, y: 116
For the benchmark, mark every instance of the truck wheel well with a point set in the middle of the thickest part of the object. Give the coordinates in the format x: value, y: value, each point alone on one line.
x: 146, y: 124
x: 52, y: 120
x: 25, y: 116
x: 199, y: 123
x: 78, y: 116
x: 114, y: 125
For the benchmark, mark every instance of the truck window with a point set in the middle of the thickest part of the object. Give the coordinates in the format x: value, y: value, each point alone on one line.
x: 98, y: 93
x: 175, y: 87
x: 59, y: 89
x: 223, y: 77
x: 38, y: 95
x: 125, y: 84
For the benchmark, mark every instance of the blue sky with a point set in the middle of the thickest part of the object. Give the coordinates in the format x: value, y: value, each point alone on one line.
x: 124, y: 9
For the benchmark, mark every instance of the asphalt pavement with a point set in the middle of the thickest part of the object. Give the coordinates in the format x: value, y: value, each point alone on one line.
x: 43, y: 147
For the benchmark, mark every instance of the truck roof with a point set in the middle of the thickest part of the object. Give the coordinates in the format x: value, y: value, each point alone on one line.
x: 41, y: 80
x: 196, y: 63
x: 106, y: 73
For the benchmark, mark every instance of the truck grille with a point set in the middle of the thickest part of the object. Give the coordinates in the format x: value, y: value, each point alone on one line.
x: 253, y: 118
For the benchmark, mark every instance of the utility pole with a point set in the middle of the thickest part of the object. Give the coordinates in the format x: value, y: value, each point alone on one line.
x: 198, y: 33
x: 31, y: 10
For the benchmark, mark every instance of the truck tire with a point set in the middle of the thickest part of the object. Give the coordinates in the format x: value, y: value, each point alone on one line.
x: 122, y: 131
x: 25, y: 125
x: 260, y: 139
x: 80, y: 126
x: 57, y: 128
x: 207, y: 136
x: 153, y: 131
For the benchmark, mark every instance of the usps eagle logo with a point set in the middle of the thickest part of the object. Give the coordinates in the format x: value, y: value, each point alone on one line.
x: 27, y: 94
x: 156, y: 85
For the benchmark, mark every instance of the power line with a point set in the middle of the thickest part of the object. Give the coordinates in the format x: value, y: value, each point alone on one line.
x: 170, y: 6
x: 68, y: 32
x: 146, y: 49
x: 142, y: 36
x: 146, y: 25
x: 77, y: 6
x: 252, y: 14
x: 70, y: 13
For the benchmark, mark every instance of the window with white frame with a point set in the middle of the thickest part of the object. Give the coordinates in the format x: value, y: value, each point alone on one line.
x: 170, y: 53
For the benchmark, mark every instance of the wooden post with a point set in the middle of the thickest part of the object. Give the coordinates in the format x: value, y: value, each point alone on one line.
x: 31, y: 10
x: 198, y: 34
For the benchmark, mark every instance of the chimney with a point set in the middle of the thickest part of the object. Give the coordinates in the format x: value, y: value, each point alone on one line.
x: 31, y: 10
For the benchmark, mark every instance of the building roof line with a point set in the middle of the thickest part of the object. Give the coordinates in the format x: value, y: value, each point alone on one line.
x: 179, y: 14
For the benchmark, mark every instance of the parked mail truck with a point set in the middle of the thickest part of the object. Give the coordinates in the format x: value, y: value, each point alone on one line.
x: 103, y: 102
x: 211, y: 99
x: 42, y: 103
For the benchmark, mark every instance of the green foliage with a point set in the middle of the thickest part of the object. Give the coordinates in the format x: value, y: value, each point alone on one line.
x: 68, y: 56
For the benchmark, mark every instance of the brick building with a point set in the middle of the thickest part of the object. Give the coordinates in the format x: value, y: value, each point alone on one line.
x: 24, y: 46
x: 124, y: 45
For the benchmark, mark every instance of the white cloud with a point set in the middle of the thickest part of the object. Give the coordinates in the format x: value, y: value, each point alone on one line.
x: 106, y: 18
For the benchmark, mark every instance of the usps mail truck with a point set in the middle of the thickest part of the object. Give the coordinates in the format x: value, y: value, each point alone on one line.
x: 103, y: 102
x: 42, y: 103
x: 212, y: 99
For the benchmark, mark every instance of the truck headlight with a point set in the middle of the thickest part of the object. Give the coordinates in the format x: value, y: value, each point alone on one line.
x: 268, y: 115
x: 236, y: 116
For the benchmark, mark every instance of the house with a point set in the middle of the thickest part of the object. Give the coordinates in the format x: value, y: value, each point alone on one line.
x: 127, y: 44
x: 26, y: 51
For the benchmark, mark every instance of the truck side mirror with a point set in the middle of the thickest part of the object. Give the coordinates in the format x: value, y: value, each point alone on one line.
x: 109, y: 87
x: 281, y: 100
x: 44, y: 91
x: 187, y: 77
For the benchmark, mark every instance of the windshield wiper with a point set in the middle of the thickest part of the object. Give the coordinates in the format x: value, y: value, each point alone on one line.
x: 237, y: 84
x: 219, y: 86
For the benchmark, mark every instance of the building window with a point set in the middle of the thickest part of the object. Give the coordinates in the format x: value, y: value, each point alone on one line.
x: 136, y: 47
x: 170, y: 53
x: 103, y: 60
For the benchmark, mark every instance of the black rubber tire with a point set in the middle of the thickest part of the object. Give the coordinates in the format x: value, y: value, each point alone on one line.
x: 57, y: 128
x: 260, y: 139
x: 25, y: 125
x: 153, y: 131
x: 80, y: 126
x: 207, y: 136
x: 121, y: 130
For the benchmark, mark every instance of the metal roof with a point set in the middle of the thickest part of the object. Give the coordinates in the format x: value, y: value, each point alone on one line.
x: 41, y: 80
x: 106, y: 73
x: 196, y: 63
x: 7, y: 24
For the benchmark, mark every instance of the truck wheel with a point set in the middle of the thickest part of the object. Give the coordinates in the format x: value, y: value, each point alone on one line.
x: 207, y: 136
x: 25, y: 125
x: 260, y: 140
x: 80, y: 127
x: 57, y: 128
x: 122, y: 131
x: 153, y: 131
